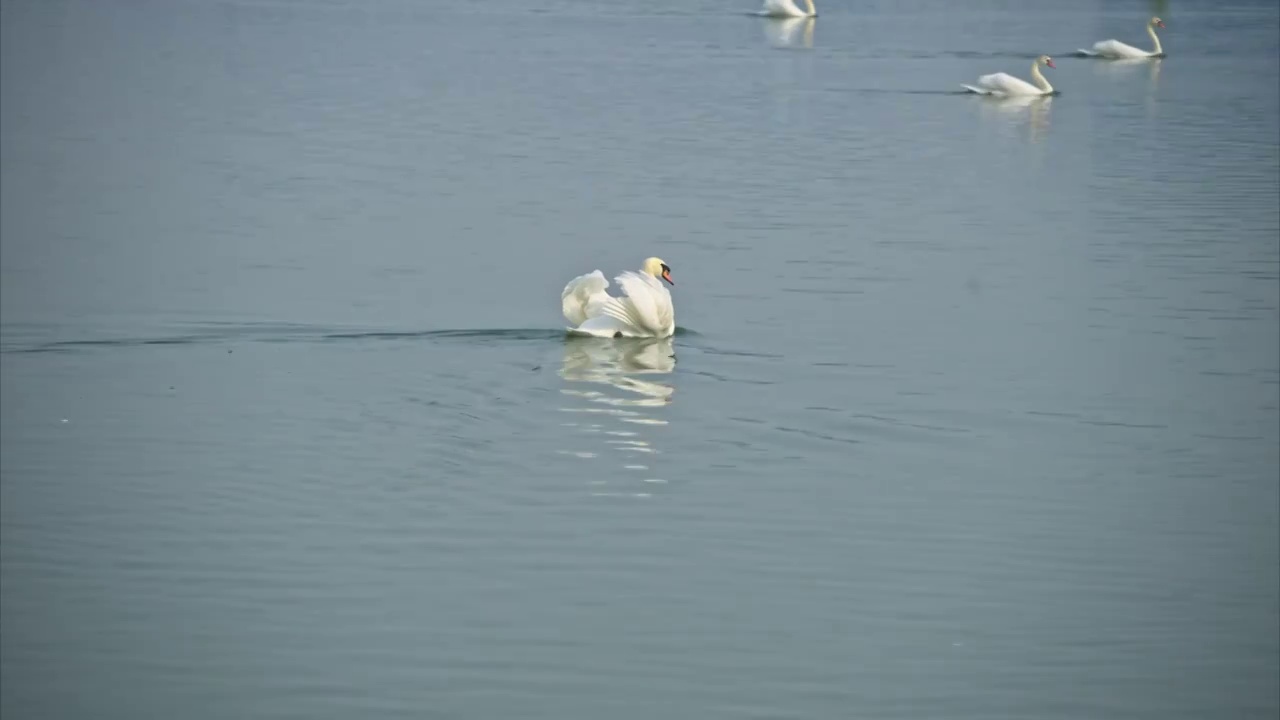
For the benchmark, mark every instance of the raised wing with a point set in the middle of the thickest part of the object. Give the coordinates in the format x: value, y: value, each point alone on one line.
x: 647, y: 306
x: 583, y: 297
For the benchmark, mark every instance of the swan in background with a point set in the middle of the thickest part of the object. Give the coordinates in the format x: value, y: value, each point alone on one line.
x: 787, y: 8
x: 790, y: 32
x: 1116, y: 50
x: 1005, y: 85
x: 645, y: 311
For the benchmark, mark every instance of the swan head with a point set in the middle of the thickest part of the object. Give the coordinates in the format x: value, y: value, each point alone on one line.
x: 655, y: 267
x: 1157, y: 22
x: 1046, y: 61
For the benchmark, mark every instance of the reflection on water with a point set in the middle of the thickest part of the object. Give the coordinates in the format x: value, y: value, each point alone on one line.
x: 1130, y: 68
x: 619, y: 409
x: 1034, y: 109
x: 789, y: 32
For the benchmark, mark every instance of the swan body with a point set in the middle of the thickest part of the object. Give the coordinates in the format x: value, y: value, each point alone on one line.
x: 644, y: 311
x: 1116, y: 50
x: 1006, y: 85
x: 787, y: 8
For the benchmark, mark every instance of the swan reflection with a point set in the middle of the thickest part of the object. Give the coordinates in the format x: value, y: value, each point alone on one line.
x: 1035, y: 108
x: 613, y: 362
x: 1127, y: 67
x: 789, y: 32
x: 1132, y: 68
x: 615, y: 392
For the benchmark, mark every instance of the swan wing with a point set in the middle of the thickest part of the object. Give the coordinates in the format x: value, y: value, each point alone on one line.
x: 781, y: 8
x: 646, y: 310
x: 1117, y: 49
x: 1006, y: 84
x: 583, y: 297
x: 604, y: 326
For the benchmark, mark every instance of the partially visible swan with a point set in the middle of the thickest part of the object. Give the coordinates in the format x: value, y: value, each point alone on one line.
x: 787, y: 8
x: 1115, y: 50
x: 645, y: 311
x: 1005, y: 85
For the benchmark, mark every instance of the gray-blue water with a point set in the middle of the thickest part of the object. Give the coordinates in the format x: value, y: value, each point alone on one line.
x: 974, y: 412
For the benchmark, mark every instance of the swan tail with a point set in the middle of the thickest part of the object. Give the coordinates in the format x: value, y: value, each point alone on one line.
x: 1085, y: 53
x: 977, y: 90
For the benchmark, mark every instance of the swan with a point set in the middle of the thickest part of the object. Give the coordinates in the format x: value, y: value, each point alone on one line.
x: 645, y: 311
x: 787, y: 8
x: 1005, y: 85
x: 1114, y: 49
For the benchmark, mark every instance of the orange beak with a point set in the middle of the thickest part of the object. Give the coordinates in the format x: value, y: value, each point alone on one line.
x: 666, y: 275
x: 1160, y: 23
x: 1050, y: 64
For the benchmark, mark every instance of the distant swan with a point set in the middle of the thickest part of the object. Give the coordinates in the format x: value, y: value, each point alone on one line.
x: 645, y: 311
x: 1116, y: 50
x: 1005, y: 85
x: 787, y: 8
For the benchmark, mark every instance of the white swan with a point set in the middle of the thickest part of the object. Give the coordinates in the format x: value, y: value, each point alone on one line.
x: 1116, y: 50
x: 787, y: 8
x: 646, y: 311
x: 1005, y: 85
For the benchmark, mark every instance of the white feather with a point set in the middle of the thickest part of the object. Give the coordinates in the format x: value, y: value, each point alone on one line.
x: 1005, y: 85
x: 787, y: 8
x: 1116, y: 50
x: 582, y: 297
x: 644, y: 310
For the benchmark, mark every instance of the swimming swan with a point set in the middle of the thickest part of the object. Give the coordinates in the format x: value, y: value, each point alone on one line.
x: 645, y: 311
x: 1006, y: 85
x: 1116, y: 50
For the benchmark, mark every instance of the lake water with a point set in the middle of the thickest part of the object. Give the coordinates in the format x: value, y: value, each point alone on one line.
x: 974, y: 411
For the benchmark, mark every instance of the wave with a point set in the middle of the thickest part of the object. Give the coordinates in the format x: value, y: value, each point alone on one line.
x: 215, y: 333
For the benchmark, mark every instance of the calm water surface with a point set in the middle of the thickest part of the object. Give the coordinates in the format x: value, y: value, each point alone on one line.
x: 974, y: 412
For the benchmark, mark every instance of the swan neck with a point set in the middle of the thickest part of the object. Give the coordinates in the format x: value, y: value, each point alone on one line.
x: 813, y: 11
x: 1039, y: 79
x: 1151, y: 30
